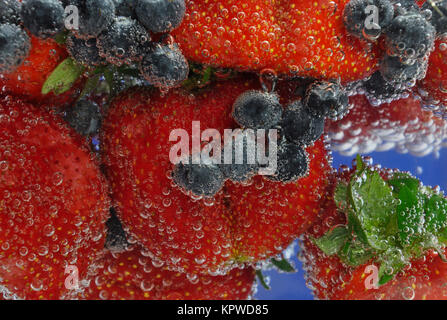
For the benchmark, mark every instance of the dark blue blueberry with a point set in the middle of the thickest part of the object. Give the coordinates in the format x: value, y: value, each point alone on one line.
x: 438, y: 10
x: 116, y: 239
x: 357, y: 17
x: 404, y: 6
x: 95, y: 16
x: 326, y: 99
x: 410, y: 36
x: 199, y: 179
x: 394, y: 71
x: 292, y: 162
x: 301, y: 127
x: 85, y: 52
x: 85, y: 117
x: 43, y: 18
x: 164, y: 66
x: 10, y: 11
x: 377, y: 87
x: 124, y: 42
x: 125, y: 8
x: 243, y: 162
x: 14, y: 47
x: 160, y: 15
x: 257, y: 110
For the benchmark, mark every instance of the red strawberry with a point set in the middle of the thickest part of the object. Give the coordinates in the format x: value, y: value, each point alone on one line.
x: 402, y: 125
x: 241, y: 224
x: 305, y: 38
x: 381, y: 236
x: 434, y: 87
x: 53, y: 202
x: 132, y: 276
x: 27, y: 81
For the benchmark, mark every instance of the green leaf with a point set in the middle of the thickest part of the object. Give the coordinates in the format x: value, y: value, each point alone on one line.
x: 392, y: 262
x: 341, y: 196
x: 262, y: 280
x: 360, y: 165
x: 374, y: 207
x: 401, y: 180
x: 410, y: 215
x: 355, y: 253
x: 435, y: 214
x: 283, y: 265
x: 63, y: 77
x: 332, y: 242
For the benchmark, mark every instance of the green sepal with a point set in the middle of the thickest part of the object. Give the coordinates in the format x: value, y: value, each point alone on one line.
x: 283, y: 265
x: 262, y: 280
x: 355, y: 253
x: 63, y: 77
x: 333, y: 241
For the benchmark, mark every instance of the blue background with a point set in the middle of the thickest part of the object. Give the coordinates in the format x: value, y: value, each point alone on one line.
x: 434, y: 172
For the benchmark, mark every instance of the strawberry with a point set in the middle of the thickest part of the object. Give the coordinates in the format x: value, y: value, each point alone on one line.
x: 131, y: 275
x: 305, y: 38
x: 27, y: 81
x: 433, y: 89
x: 240, y: 224
x: 382, y: 236
x: 402, y: 125
x: 53, y: 202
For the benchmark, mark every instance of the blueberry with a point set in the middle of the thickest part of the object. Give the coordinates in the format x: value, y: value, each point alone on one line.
x: 116, y: 239
x: 357, y: 15
x: 292, y: 162
x: 299, y: 126
x: 243, y: 164
x: 160, y: 15
x: 438, y: 19
x: 85, y: 52
x: 326, y: 99
x: 95, y: 16
x: 165, y: 66
x: 125, y: 8
x: 43, y: 18
x: 10, y: 11
x: 394, y: 71
x: 14, y: 47
x: 410, y: 36
x: 404, y: 6
x: 124, y: 42
x: 85, y: 117
x: 199, y: 179
x: 257, y: 110
x: 378, y: 88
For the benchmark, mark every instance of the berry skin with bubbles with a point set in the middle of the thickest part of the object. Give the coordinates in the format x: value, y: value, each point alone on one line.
x: 206, y: 235
x: 124, y: 42
x: 292, y: 163
x: 131, y: 275
x: 85, y: 117
x: 10, y: 12
x: 43, y: 18
x: 292, y: 37
x: 160, y: 15
x: 356, y: 15
x: 85, y: 52
x: 205, y: 179
x: 257, y: 110
x: 14, y: 47
x: 53, y: 202
x: 95, y: 16
x: 164, y: 66
x: 396, y: 72
x: 377, y: 89
x: 410, y: 36
x: 299, y: 126
x: 326, y: 99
